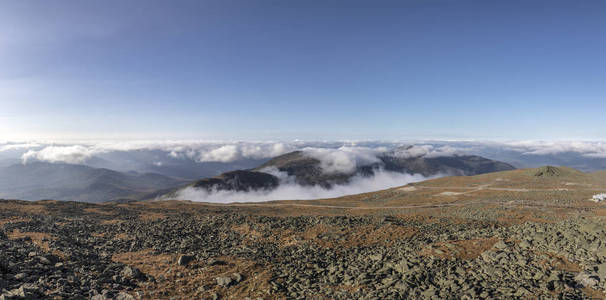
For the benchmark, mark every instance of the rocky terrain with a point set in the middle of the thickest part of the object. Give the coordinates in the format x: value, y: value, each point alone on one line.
x: 508, y: 235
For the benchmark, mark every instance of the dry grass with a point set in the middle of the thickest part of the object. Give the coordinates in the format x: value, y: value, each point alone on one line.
x: 111, y: 222
x: 23, y: 207
x: 40, y: 239
x: 151, y: 216
x: 98, y: 211
x: 13, y: 220
x: 123, y: 236
x: 198, y: 280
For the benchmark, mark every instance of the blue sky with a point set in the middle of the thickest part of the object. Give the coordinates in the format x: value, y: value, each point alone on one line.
x: 259, y: 70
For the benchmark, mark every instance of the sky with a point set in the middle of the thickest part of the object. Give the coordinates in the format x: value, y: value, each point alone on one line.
x: 283, y: 70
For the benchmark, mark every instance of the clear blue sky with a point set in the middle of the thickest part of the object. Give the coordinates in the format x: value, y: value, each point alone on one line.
x: 303, y: 69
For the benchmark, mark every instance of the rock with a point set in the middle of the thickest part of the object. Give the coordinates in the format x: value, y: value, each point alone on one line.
x: 224, y: 281
x: 185, y: 259
x: 20, y: 276
x: 602, y: 271
x: 25, y: 291
x: 130, y: 272
x: 524, y: 245
x: 237, y: 277
x: 587, y: 279
x: 124, y: 296
x: 591, y: 228
x: 500, y: 245
x: 44, y: 260
x: 215, y: 262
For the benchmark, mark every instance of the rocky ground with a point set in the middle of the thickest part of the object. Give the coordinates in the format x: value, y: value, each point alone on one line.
x: 474, y: 244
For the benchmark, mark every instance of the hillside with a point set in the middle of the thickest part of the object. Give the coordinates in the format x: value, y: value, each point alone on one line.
x: 37, y: 181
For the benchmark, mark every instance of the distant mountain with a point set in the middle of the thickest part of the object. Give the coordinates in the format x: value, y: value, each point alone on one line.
x: 59, y: 181
x: 239, y: 180
x: 455, y: 165
x: 307, y: 170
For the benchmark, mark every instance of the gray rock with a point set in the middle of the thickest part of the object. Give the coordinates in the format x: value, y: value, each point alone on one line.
x: 587, y: 279
x: 237, y: 277
x: 500, y: 245
x: 124, y: 296
x: 130, y: 272
x: 224, y: 281
x: 185, y: 259
x: 602, y: 271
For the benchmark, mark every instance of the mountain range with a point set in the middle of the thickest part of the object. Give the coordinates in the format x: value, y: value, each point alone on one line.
x: 60, y: 181
x: 73, y: 182
x: 307, y: 170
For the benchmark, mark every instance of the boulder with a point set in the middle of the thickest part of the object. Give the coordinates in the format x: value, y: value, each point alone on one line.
x: 224, y: 281
x: 185, y: 259
x: 130, y: 272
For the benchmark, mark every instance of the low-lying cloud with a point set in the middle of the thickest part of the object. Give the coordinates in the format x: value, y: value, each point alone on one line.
x: 289, y: 190
x: 344, y: 159
x: 336, y: 156
x: 68, y: 154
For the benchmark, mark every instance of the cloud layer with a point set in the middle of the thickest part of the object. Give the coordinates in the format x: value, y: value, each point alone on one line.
x: 336, y: 156
x: 291, y: 191
x: 68, y: 154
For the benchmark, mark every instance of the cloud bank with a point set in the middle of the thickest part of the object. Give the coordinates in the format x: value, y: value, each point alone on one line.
x: 336, y: 156
x: 344, y: 159
x: 68, y: 154
x: 291, y: 191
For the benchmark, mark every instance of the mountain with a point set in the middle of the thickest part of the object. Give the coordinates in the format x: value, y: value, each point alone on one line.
x: 240, y: 180
x: 307, y: 170
x: 59, y: 181
x: 455, y: 165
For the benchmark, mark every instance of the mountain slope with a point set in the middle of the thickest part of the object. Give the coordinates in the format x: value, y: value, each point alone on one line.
x: 239, y: 180
x: 36, y: 181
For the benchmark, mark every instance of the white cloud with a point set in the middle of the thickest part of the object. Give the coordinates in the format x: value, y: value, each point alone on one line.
x: 588, y: 149
x: 68, y: 154
x: 412, y: 151
x: 336, y: 156
x: 18, y: 146
x: 343, y: 159
x: 290, y: 191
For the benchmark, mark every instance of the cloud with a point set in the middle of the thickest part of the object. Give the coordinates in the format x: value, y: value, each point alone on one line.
x: 588, y: 149
x: 344, y: 159
x: 412, y: 151
x: 336, y: 156
x: 68, y: 154
x: 291, y: 191
x: 18, y: 146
